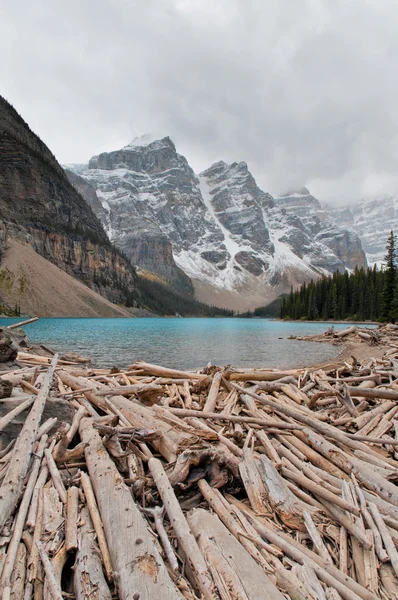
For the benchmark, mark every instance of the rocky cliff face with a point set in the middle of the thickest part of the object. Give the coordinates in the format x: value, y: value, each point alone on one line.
x: 322, y: 227
x: 372, y: 221
x: 40, y: 207
x: 239, y: 246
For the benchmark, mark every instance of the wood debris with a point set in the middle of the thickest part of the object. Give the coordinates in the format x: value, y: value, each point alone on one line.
x: 220, y: 484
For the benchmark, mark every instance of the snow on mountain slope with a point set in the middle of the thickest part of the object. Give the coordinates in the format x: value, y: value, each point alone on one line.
x: 239, y: 247
x: 372, y: 221
x: 321, y: 226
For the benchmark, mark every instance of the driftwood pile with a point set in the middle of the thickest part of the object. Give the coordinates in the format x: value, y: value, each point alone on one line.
x: 382, y: 335
x: 218, y: 485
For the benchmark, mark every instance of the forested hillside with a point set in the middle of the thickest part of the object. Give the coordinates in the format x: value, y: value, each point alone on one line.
x: 362, y: 295
x: 356, y: 296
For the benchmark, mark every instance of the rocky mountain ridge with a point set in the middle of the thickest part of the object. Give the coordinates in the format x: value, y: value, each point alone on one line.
x: 372, y: 221
x: 239, y: 246
x: 40, y: 208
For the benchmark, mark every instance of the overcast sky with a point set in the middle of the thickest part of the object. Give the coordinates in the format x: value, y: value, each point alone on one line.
x: 304, y: 91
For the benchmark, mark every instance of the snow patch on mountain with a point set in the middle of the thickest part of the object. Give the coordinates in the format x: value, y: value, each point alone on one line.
x: 144, y: 140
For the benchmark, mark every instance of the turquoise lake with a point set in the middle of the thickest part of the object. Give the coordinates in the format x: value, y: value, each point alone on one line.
x: 183, y: 343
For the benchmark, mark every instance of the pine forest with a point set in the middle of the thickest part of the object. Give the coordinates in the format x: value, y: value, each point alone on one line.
x: 365, y: 294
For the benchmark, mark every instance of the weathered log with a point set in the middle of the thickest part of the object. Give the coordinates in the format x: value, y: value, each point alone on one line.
x: 22, y: 323
x: 4, y: 421
x: 345, y: 332
x: 259, y: 375
x: 54, y: 587
x: 182, y: 412
x: 242, y: 576
x: 135, y: 558
x: 253, y: 483
x: 20, y: 520
x: 372, y: 393
x: 19, y: 574
x: 347, y: 587
x: 149, y: 369
x: 98, y: 525
x: 211, y: 400
x: 12, y: 485
x: 89, y: 578
x: 72, y: 511
x: 182, y: 531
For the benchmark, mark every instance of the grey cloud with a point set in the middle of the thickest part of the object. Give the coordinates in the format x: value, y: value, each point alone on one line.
x: 304, y: 92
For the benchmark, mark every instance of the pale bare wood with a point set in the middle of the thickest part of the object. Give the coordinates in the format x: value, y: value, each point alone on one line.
x: 130, y: 390
x: 343, y: 550
x: 308, y: 577
x: 329, y: 574
x: 350, y: 464
x: 78, y: 383
x: 27, y: 539
x: 54, y: 587
x: 56, y: 477
x: 182, y: 530
x: 378, y: 543
x: 268, y: 447
x: 373, y: 393
x: 34, y: 564
x: 243, y: 576
x: 28, y: 386
x: 358, y: 551
x: 72, y: 511
x: 182, y: 412
x: 22, y: 323
x: 211, y: 400
x: 57, y: 563
x: 253, y: 483
x: 382, y: 408
x: 46, y: 427
x: 389, y: 581
x: 158, y: 513
x: 345, y: 332
x: 259, y: 375
x: 136, y: 415
x: 52, y: 512
x: 344, y: 519
x: 134, y: 555
x: 149, y: 369
x: 318, y: 490
x: 9, y: 417
x: 21, y: 517
x: 317, y: 425
x: 281, y: 499
x: 316, y: 537
x: 297, y: 589
x: 11, y: 488
x: 41, y: 480
x: 98, y: 526
x: 386, y: 537
x: 187, y: 394
x: 225, y: 512
x: 89, y: 579
x: 19, y: 574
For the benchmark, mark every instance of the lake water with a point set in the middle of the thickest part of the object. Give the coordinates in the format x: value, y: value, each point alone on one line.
x: 183, y: 343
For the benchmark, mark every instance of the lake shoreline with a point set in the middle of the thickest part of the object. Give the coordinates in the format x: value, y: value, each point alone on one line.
x: 185, y: 343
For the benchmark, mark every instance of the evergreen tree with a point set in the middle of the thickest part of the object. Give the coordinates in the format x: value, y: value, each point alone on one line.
x: 390, y: 277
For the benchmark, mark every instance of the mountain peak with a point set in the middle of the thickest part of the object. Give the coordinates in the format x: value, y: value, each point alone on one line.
x: 303, y: 191
x: 147, y: 140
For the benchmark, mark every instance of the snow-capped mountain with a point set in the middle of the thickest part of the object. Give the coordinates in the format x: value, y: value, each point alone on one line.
x: 238, y: 245
x: 325, y: 227
x: 372, y: 221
